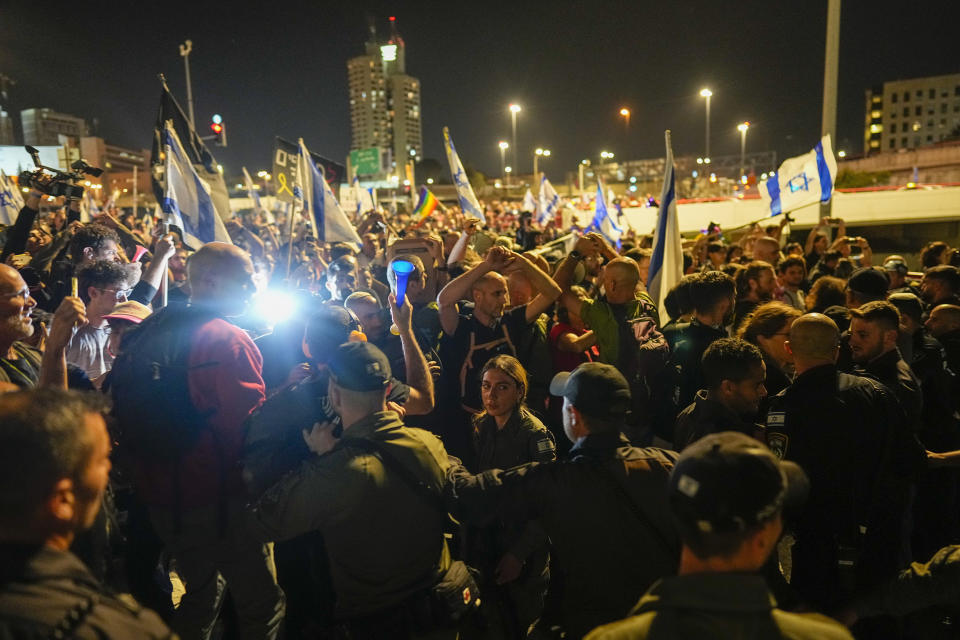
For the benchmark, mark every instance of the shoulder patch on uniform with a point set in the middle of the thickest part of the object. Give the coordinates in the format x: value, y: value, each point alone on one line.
x: 778, y: 444
x: 776, y: 418
x: 545, y: 444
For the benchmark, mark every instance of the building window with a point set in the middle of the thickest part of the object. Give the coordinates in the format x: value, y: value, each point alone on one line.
x: 943, y: 108
x: 930, y: 122
x: 929, y: 138
x: 918, y: 110
x: 904, y: 127
x: 906, y: 111
x: 903, y: 142
x: 893, y: 143
x: 906, y: 96
x: 893, y: 97
x: 932, y: 94
x: 956, y: 90
x: 919, y: 94
x: 943, y: 122
x: 876, y: 113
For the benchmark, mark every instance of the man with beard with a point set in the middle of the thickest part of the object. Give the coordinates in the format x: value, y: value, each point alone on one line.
x: 792, y: 274
x: 755, y: 285
x: 941, y: 285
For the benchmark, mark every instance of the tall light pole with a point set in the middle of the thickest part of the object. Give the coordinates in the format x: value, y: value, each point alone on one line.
x: 514, y: 110
x: 831, y: 66
x: 583, y: 163
x: 742, y: 128
x: 185, y: 50
x: 625, y: 113
x: 706, y: 93
x: 536, y: 156
x: 503, y: 162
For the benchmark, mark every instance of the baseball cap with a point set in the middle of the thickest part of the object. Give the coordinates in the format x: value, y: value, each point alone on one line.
x: 907, y: 303
x: 727, y: 482
x: 360, y: 366
x: 896, y: 264
x: 130, y: 311
x: 594, y: 388
x: 330, y: 327
x: 869, y: 281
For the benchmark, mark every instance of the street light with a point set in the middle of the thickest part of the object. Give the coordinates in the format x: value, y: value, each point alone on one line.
x: 514, y: 110
x: 742, y: 128
x: 626, y: 118
x: 606, y: 155
x: 706, y: 93
x: 503, y: 150
x: 536, y: 156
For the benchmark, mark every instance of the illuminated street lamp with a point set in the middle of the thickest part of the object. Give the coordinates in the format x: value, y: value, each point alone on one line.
x: 742, y: 128
x: 706, y: 93
x: 514, y: 110
x: 536, y: 156
x: 503, y: 151
x: 625, y: 113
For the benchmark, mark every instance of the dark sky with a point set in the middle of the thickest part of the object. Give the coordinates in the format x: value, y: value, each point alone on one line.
x: 280, y: 69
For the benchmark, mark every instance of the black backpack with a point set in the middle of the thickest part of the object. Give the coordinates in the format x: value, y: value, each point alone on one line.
x: 156, y: 419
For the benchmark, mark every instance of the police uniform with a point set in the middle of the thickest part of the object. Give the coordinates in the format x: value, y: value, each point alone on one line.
x: 717, y: 605
x: 891, y: 370
x: 705, y: 416
x: 46, y: 593
x: 688, y: 341
x: 850, y: 436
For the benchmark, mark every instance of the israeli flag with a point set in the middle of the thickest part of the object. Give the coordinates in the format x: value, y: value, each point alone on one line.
x: 603, y: 222
x: 549, y: 201
x: 252, y: 193
x: 187, y: 199
x: 529, y: 202
x: 330, y: 223
x: 468, y: 200
x: 802, y: 181
x: 363, y: 196
x: 666, y: 264
x: 11, y: 200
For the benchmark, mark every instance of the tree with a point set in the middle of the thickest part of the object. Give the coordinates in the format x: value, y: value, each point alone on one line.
x: 847, y: 179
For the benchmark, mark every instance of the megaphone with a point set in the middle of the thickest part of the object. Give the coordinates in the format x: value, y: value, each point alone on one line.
x: 402, y: 269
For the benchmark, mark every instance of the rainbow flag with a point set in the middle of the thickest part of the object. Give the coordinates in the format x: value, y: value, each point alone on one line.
x: 428, y: 202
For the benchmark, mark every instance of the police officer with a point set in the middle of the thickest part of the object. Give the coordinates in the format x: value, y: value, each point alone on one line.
x: 54, y: 467
x: 728, y: 494
x: 604, y: 510
x: 849, y: 435
x: 375, y: 496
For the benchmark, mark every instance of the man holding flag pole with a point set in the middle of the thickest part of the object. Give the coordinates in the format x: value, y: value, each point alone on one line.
x: 666, y: 265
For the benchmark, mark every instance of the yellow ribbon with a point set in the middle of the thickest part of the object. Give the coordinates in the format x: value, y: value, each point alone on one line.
x: 282, y: 179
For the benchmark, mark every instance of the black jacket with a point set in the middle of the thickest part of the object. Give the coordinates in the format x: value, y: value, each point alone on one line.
x: 705, y: 416
x: 607, y: 556
x: 850, y: 436
x: 42, y: 589
x: 688, y: 341
x: 896, y: 375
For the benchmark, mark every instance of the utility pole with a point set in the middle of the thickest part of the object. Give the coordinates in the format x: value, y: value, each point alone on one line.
x: 831, y: 65
x: 136, y: 210
x: 185, y: 50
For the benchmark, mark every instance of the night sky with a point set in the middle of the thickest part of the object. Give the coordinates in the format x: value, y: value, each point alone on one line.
x: 280, y: 69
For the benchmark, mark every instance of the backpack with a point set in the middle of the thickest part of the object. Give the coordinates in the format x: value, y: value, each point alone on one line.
x: 157, y: 420
x: 651, y: 378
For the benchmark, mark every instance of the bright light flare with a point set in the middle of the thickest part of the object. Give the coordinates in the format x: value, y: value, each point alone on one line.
x: 274, y: 307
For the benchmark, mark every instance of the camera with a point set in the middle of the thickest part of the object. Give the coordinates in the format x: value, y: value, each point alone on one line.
x: 55, y: 182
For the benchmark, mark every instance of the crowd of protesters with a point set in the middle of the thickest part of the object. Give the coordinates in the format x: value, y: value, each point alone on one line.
x: 511, y: 441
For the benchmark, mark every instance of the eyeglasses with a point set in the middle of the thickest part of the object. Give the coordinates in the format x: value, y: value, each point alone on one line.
x: 121, y: 294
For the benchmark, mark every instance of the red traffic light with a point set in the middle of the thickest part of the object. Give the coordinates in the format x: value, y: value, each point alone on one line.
x: 216, y: 127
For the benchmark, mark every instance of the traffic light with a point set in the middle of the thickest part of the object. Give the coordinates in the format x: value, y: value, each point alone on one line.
x: 219, y: 130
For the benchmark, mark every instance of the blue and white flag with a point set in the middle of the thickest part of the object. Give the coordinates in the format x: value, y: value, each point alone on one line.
x: 187, y: 199
x: 330, y: 223
x: 666, y: 264
x: 252, y: 193
x: 88, y: 206
x: 603, y: 222
x: 802, y: 180
x: 468, y: 200
x: 11, y: 200
x: 364, y: 197
x: 529, y: 202
x: 549, y: 201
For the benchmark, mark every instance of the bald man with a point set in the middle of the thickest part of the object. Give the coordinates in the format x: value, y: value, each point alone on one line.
x: 196, y: 503
x: 850, y: 436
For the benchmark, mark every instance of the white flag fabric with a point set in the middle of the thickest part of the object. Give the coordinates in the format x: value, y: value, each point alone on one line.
x: 529, y: 202
x: 330, y: 223
x: 549, y: 201
x: 187, y: 200
x: 11, y: 200
x: 468, y: 200
x: 252, y: 193
x: 363, y: 196
x: 802, y: 180
x: 666, y: 264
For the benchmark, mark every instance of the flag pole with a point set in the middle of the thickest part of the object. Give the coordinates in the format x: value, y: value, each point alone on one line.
x: 293, y: 212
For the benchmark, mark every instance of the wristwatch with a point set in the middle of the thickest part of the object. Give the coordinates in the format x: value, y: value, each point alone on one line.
x: 576, y: 255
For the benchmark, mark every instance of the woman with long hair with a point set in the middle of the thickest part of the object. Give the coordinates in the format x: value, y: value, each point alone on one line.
x: 512, y: 558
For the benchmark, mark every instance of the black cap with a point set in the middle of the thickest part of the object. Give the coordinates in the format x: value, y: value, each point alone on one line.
x: 330, y: 327
x: 360, y: 366
x: 907, y: 303
x: 728, y: 482
x: 595, y: 389
x: 870, y: 282
x: 896, y: 264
